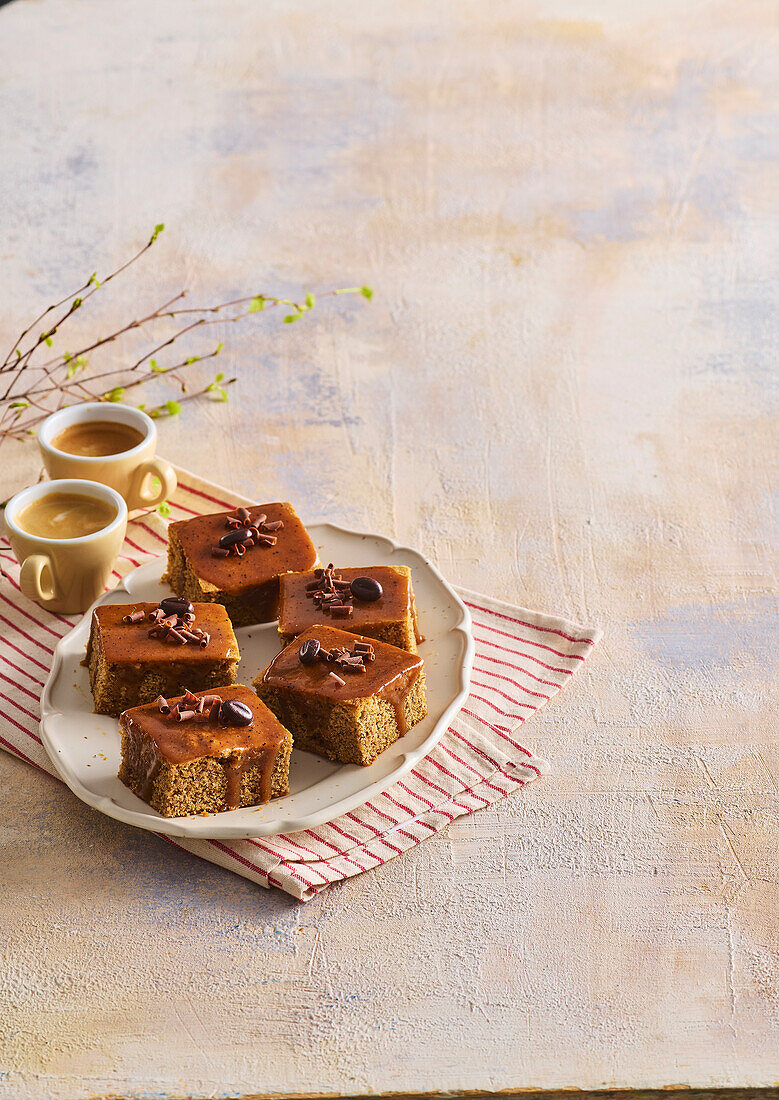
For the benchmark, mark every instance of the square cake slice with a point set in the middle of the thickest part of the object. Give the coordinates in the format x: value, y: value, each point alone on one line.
x: 233, y: 753
x: 235, y: 558
x: 344, y: 696
x: 139, y: 651
x: 376, y: 601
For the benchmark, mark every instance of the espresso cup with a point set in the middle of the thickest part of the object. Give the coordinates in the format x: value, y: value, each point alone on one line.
x: 66, y: 574
x: 128, y: 472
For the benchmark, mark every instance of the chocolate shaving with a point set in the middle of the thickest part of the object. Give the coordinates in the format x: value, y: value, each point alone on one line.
x: 354, y: 663
x: 337, y: 678
x: 344, y: 659
x: 349, y: 660
x: 331, y: 593
x: 176, y: 627
x: 256, y: 529
x: 213, y: 714
x: 190, y: 706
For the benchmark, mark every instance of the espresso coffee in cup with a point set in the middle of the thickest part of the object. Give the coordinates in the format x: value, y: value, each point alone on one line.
x: 66, y: 535
x: 97, y: 438
x: 65, y: 516
x: 110, y: 443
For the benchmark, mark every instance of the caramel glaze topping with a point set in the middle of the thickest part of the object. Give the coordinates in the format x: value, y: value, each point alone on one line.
x: 293, y: 549
x: 297, y: 610
x: 155, y: 738
x: 128, y: 643
x: 391, y: 675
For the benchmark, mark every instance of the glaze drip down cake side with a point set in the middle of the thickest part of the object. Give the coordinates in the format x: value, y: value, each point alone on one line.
x: 344, y: 696
x: 205, y: 752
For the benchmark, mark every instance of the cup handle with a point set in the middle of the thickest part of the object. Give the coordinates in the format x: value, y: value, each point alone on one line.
x: 155, y: 467
x: 31, y: 576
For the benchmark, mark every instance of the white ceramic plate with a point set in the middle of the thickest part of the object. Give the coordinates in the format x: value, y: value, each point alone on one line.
x: 84, y: 746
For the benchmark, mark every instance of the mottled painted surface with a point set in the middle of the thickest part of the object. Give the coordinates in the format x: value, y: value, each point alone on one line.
x: 564, y: 392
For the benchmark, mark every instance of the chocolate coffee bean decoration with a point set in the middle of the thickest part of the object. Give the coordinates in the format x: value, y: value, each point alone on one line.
x: 235, y: 713
x: 175, y: 605
x: 232, y: 538
x: 309, y: 652
x: 366, y: 589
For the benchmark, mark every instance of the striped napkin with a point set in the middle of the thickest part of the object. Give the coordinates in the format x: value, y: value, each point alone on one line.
x: 522, y: 659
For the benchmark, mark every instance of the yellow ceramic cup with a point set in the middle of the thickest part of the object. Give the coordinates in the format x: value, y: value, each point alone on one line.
x: 66, y: 575
x: 129, y: 472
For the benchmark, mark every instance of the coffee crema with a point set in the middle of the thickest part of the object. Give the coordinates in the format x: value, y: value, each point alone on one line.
x: 97, y: 438
x: 65, y: 516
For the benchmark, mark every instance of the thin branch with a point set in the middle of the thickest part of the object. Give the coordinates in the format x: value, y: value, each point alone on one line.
x: 36, y: 322
x: 90, y: 281
x: 56, y: 382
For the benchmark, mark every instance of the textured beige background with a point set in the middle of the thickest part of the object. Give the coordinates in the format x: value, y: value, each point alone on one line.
x: 563, y: 392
